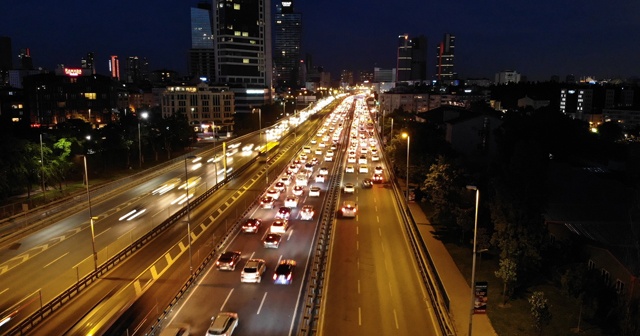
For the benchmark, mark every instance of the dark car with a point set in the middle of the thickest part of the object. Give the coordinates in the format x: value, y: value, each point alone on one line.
x: 284, y: 272
x: 228, y: 260
x: 272, y: 240
x: 251, y: 225
x: 284, y: 213
x: 367, y: 183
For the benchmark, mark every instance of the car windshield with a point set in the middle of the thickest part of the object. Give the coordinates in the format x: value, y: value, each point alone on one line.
x: 250, y: 269
x: 283, y: 269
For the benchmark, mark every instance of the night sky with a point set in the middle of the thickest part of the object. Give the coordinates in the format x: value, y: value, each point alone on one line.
x: 536, y: 38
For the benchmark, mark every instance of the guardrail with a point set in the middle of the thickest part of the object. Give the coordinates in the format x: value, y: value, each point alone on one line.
x: 59, y: 301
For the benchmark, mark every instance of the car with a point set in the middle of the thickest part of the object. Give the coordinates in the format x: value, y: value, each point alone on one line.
x: 351, y: 159
x: 374, y: 151
x: 302, y: 180
x: 297, y: 163
x: 375, y: 158
x: 323, y: 171
x: 275, y: 193
x: 334, y: 146
x: 303, y: 158
x: 377, y: 170
x: 328, y: 158
x: 319, y: 178
x: 308, y: 166
x: 267, y: 202
x: 307, y: 212
x: 253, y: 270
x: 306, y: 149
x: 367, y: 183
x: 314, y: 141
x: 291, y: 202
x: 223, y: 324
x: 363, y: 169
x: 377, y: 178
x: 271, y: 240
x: 251, y: 225
x: 247, y: 147
x: 298, y: 190
x: 280, y: 186
x: 314, y: 161
x: 314, y: 191
x: 350, y: 169
x: 228, y: 260
x: 349, y: 188
x: 283, y: 213
x: 176, y: 330
x: 279, y: 226
x: 284, y: 272
x: 318, y: 151
x: 363, y: 150
x: 362, y: 159
x: 329, y: 153
x: 294, y: 168
x: 348, y: 209
x: 322, y: 145
x: 285, y: 179
x: 288, y: 172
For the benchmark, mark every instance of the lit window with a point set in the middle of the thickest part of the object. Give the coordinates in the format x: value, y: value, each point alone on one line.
x: 245, y: 34
x: 245, y: 60
x: 236, y: 6
x: 237, y: 33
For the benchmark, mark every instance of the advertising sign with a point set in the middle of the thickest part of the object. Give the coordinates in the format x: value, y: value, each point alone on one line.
x: 482, y: 296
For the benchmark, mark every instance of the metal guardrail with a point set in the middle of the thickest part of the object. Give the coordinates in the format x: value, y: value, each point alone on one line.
x: 59, y: 301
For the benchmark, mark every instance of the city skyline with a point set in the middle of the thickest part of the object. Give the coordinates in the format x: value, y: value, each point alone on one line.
x: 536, y: 39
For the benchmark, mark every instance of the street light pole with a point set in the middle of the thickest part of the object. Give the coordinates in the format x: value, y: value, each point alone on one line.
x: 93, y: 233
x: 44, y: 189
x: 186, y: 188
x: 144, y: 115
x: 406, y: 135
x: 473, y: 263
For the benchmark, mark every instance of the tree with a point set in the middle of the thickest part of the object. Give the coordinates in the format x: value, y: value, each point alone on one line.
x: 442, y: 187
x: 61, y: 163
x: 540, y: 312
x: 508, y: 272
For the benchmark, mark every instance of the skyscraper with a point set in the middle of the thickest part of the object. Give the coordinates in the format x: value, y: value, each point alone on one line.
x: 201, y: 54
x: 445, y: 71
x: 133, y: 71
x: 26, y: 63
x: 288, y: 35
x: 114, y: 67
x: 89, y: 63
x: 412, y: 59
x: 6, y: 56
x: 242, y: 44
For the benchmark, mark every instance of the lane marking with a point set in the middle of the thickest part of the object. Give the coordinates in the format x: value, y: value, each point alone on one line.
x: 6, y: 289
x: 379, y: 232
x: 264, y: 297
x: 357, y: 230
x: 390, y: 291
x: 290, y: 233
x: 358, y: 286
x: 251, y: 256
x: 378, y: 219
x: 225, y: 300
x: 395, y: 316
x: 359, y: 316
x: 376, y: 208
x: 279, y: 259
x: 382, y: 244
x: 56, y: 259
x: 357, y: 245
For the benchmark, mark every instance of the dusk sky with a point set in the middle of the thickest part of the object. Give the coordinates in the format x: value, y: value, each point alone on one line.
x: 536, y: 38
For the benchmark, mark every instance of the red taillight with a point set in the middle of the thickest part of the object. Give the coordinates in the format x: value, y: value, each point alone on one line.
x: 275, y: 276
x: 289, y: 276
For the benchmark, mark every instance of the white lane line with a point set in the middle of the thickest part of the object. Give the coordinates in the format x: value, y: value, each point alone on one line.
x: 357, y: 230
x: 390, y: 291
x: 357, y: 217
x: 6, y: 289
x: 359, y: 316
x: 279, y: 259
x: 378, y: 219
x: 225, y: 300
x: 251, y: 257
x: 56, y: 259
x: 358, y: 286
x: 376, y: 207
x: 290, y: 233
x: 265, y: 296
x: 395, y: 316
x: 109, y: 228
x: 379, y: 232
x: 357, y: 245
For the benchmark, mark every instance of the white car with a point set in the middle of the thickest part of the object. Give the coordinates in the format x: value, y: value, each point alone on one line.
x: 351, y: 159
x: 306, y: 149
x: 363, y: 169
x: 286, y: 180
x: 253, y: 270
x: 307, y: 212
x: 313, y: 141
x: 349, y: 188
x: 323, y: 171
x: 273, y: 193
x: 314, y: 191
x: 322, y: 145
x: 375, y: 158
x: 279, y: 226
x: 362, y: 159
x: 291, y: 201
x: 350, y: 169
x: 348, y: 209
x: 302, y: 180
x: 294, y: 168
x: 363, y: 150
x: 330, y: 152
x: 318, y: 151
x: 319, y: 178
x: 377, y: 170
x: 298, y: 190
x: 328, y: 158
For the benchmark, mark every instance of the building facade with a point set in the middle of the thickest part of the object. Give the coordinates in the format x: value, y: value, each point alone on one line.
x: 204, y: 106
x: 506, y: 77
x: 445, y: 60
x: 288, y: 39
x: 201, y: 62
x: 412, y: 59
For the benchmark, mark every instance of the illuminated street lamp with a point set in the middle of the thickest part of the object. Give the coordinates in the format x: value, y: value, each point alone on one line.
x: 143, y: 115
x: 260, y: 140
x: 186, y: 188
x: 405, y: 135
x: 473, y: 263
x: 93, y: 233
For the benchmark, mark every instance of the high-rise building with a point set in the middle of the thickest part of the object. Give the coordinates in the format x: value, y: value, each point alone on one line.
x: 288, y: 36
x: 26, y: 63
x: 201, y: 54
x: 6, y: 57
x: 242, y: 44
x: 403, y: 66
x: 114, y: 67
x: 507, y: 76
x: 412, y: 59
x: 133, y: 71
x: 346, y: 78
x: 445, y: 71
x: 89, y: 63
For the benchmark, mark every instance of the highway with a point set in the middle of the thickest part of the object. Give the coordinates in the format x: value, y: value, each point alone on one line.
x: 41, y: 265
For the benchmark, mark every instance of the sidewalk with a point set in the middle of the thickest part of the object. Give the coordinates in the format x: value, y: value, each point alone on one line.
x: 455, y: 284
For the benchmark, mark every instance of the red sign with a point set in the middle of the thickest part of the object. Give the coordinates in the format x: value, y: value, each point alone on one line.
x: 72, y: 72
